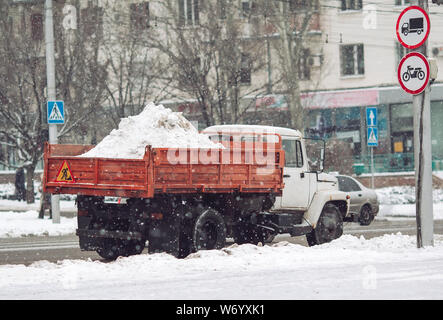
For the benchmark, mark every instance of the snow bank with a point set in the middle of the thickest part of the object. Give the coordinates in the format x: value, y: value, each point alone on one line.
x: 156, y: 126
x: 14, y: 205
x: 403, y: 195
x: 6, y: 190
x: 340, y: 269
x: 400, y: 202
x: 19, y: 224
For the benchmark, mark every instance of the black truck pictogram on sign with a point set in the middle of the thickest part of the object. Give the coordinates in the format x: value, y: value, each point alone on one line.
x: 414, y: 25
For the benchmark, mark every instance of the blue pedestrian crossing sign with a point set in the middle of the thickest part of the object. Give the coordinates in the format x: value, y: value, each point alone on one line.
x: 371, y: 117
x: 56, y: 113
x: 372, y: 137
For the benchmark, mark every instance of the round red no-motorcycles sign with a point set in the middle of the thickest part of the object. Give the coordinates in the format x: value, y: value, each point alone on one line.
x: 413, y: 73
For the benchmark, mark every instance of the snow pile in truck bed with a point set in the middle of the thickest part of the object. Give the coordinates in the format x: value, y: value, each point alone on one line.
x: 156, y: 126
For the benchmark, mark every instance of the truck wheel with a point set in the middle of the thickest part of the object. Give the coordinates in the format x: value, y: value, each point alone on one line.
x: 209, y: 231
x: 109, y: 249
x: 366, y: 216
x: 329, y: 226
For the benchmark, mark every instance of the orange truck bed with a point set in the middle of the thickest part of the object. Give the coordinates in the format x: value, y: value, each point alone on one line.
x: 238, y: 168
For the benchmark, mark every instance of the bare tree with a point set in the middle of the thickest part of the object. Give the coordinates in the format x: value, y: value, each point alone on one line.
x: 211, y: 59
x: 23, y: 81
x: 81, y: 73
x: 134, y: 68
x: 292, y: 20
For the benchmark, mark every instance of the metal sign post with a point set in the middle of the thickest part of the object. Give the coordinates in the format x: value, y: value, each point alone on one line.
x: 50, y: 73
x: 413, y: 74
x: 372, y: 136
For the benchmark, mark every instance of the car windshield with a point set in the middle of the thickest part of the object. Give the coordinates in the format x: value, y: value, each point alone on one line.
x: 347, y: 184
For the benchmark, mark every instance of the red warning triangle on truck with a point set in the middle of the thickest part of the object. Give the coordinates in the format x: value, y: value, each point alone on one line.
x: 64, y: 173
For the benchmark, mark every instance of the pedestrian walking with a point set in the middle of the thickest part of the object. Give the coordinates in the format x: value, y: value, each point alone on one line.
x: 20, y: 190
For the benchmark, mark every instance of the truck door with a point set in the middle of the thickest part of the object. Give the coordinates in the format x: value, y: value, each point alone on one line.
x: 295, y: 176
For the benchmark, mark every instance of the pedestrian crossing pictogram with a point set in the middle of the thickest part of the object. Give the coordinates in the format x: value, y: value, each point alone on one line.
x: 372, y: 136
x: 56, y: 112
x: 64, y: 174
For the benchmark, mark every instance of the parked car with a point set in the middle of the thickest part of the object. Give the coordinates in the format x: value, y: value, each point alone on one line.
x: 364, y: 203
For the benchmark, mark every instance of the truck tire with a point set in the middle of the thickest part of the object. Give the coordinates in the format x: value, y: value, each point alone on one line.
x: 329, y: 226
x: 110, y: 249
x: 209, y: 231
x: 366, y: 216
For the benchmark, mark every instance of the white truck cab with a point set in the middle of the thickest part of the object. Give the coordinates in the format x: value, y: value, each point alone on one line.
x: 310, y: 194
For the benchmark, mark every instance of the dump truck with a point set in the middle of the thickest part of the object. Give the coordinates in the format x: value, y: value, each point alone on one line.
x: 181, y: 200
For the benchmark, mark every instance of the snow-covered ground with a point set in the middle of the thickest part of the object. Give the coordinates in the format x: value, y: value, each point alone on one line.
x: 13, y: 205
x: 21, y: 224
x: 388, y: 267
x: 403, y: 195
x: 400, y: 202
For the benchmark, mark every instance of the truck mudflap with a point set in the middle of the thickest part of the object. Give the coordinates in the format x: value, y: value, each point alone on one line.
x: 90, y: 239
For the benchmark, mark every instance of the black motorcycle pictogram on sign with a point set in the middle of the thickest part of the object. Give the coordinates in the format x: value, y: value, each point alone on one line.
x: 413, y: 73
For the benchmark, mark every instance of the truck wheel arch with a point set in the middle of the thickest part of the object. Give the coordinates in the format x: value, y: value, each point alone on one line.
x: 320, y: 200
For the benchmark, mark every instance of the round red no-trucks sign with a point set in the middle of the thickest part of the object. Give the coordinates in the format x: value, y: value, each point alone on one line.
x: 413, y: 27
x: 413, y: 73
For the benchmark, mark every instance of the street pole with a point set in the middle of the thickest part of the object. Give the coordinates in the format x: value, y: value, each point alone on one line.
x: 50, y: 75
x: 372, y: 167
x: 423, y: 158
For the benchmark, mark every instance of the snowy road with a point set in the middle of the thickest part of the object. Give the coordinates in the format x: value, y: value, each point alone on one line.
x: 388, y: 267
x: 27, y: 250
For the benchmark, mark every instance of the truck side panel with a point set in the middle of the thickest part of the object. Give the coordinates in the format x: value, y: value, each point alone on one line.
x: 230, y: 170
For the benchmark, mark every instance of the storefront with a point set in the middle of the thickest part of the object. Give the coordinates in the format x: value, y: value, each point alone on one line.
x: 339, y: 117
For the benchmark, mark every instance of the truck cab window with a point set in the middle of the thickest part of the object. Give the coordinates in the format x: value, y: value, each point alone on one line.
x: 293, y: 153
x: 299, y: 154
x: 290, y: 155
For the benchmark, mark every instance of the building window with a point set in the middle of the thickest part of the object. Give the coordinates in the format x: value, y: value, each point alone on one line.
x: 92, y: 21
x: 222, y: 9
x: 304, y: 67
x: 188, y: 11
x: 402, y: 2
x: 139, y: 16
x: 37, y: 27
x: 402, y: 131
x: 248, y: 8
x: 296, y: 5
x: 245, y: 9
x: 351, y: 5
x: 352, y: 60
x: 245, y: 69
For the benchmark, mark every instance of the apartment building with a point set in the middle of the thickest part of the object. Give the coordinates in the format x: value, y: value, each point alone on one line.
x: 362, y: 53
x: 349, y: 61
